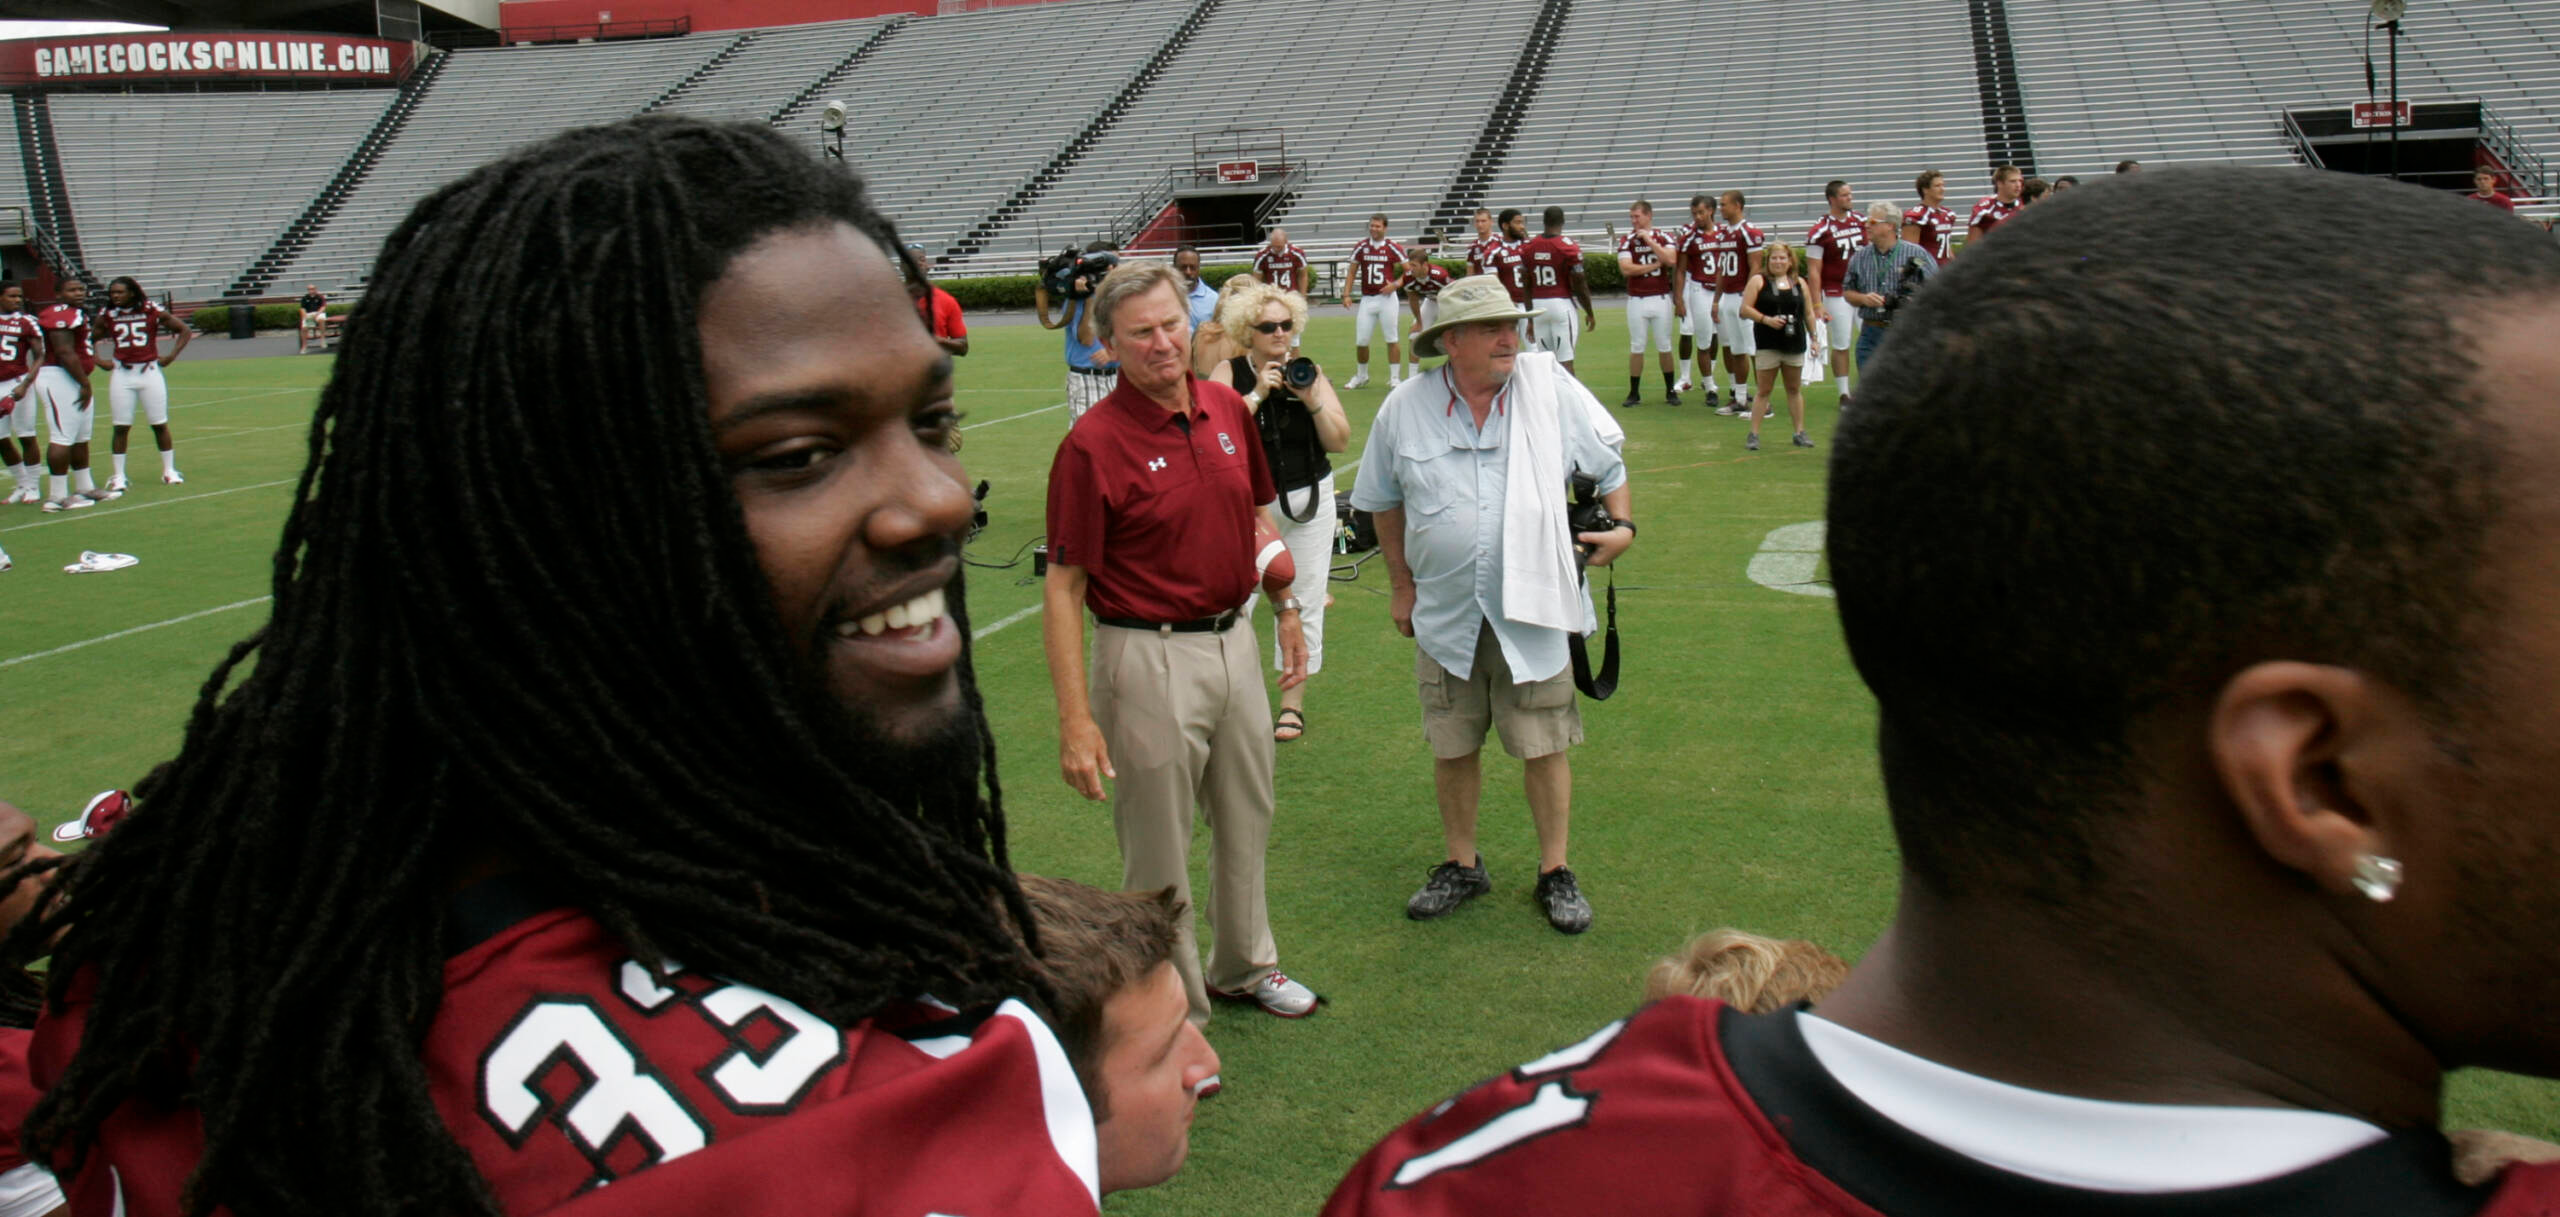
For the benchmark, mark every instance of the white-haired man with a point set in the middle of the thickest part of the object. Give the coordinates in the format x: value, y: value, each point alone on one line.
x: 1466, y: 473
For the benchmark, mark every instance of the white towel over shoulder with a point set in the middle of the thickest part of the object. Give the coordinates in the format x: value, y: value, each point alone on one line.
x: 1541, y: 579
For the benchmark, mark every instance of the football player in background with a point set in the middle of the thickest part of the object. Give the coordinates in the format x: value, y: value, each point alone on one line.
x: 1697, y: 267
x: 62, y: 385
x: 21, y: 353
x: 1835, y: 235
x: 1930, y: 225
x: 2192, y: 689
x: 466, y: 891
x: 1423, y: 279
x: 2008, y: 188
x: 1488, y: 244
x: 1511, y: 262
x: 1284, y: 266
x: 1644, y: 261
x: 1739, y: 249
x: 1557, y: 283
x: 131, y: 324
x: 1377, y: 270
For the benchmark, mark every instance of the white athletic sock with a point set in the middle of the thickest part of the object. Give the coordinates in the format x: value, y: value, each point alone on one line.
x: 61, y: 485
x: 169, y: 460
x: 118, y: 458
x: 1364, y: 367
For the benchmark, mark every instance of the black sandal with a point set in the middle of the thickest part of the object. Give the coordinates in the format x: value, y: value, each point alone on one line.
x: 1290, y: 716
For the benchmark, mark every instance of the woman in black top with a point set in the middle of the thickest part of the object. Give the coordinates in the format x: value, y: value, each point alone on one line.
x: 1780, y: 310
x: 1299, y: 427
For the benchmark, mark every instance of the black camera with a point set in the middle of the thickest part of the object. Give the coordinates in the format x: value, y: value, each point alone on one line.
x: 1588, y: 513
x: 1062, y: 269
x: 1299, y: 374
x: 1909, y: 282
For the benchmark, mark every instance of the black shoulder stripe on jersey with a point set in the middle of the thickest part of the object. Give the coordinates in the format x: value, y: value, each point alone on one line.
x: 1900, y: 1173
x: 490, y: 907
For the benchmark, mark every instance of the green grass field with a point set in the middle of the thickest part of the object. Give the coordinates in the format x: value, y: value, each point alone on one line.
x: 1731, y: 782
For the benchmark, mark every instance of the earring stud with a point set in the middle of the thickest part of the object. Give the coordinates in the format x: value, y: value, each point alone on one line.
x: 2377, y: 877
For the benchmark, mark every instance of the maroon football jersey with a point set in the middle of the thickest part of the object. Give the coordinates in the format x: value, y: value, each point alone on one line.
x: 1373, y: 265
x: 21, y: 346
x: 1655, y: 282
x: 1284, y: 268
x: 18, y: 1094
x: 1426, y: 282
x: 1990, y: 213
x: 75, y: 322
x: 1937, y: 227
x: 1690, y: 1107
x: 1733, y: 245
x: 1511, y: 264
x: 1696, y: 255
x: 1482, y: 255
x: 136, y: 331
x: 564, y: 1066
x: 1551, y: 265
x: 1836, y: 237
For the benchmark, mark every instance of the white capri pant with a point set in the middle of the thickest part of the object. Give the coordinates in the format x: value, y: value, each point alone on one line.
x: 1733, y: 330
x: 68, y: 421
x: 143, y: 386
x: 1430, y: 312
x: 1084, y: 389
x: 1375, y: 313
x: 1701, y: 304
x: 1311, y: 548
x: 1555, y: 326
x: 1648, y: 316
x: 1843, y: 320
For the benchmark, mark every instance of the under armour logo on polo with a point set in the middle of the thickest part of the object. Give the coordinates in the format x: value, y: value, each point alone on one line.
x: 1155, y: 464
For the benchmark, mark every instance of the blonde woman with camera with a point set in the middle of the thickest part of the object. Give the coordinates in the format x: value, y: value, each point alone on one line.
x: 1211, y: 345
x: 1302, y: 422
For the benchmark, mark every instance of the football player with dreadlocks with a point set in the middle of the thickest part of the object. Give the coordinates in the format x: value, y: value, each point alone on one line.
x: 588, y: 823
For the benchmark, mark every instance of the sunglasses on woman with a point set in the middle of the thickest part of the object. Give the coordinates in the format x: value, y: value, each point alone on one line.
x: 1274, y: 327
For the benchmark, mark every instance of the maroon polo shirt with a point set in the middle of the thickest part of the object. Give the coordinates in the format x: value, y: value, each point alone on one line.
x: 1160, y: 519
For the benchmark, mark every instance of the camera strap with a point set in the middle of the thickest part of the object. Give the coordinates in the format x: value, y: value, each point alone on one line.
x: 1598, y: 688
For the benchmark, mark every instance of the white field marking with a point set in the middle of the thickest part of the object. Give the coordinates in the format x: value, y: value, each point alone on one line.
x: 95, y: 514
x: 1788, y: 558
x: 1009, y: 618
x: 70, y: 647
x: 1010, y: 417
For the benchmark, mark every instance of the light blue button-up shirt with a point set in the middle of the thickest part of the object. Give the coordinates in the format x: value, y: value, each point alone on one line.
x: 1203, y: 302
x: 1426, y: 455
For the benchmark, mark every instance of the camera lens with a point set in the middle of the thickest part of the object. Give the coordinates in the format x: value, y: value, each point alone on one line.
x: 1299, y: 372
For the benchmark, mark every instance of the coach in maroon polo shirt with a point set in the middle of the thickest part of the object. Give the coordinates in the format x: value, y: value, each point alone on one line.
x: 1152, y: 500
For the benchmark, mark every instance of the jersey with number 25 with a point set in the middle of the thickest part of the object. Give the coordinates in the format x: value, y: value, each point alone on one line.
x: 583, y: 1082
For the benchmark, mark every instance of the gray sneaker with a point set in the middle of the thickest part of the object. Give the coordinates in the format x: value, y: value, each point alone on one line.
x: 1752, y: 444
x: 1801, y: 441
x: 1562, y: 898
x: 1449, y: 886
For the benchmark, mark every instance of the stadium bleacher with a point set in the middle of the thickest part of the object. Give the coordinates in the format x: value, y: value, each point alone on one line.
x: 185, y: 190
x: 1384, y: 125
x: 486, y: 103
x: 13, y: 170
x: 940, y: 155
x: 771, y: 68
x: 2207, y: 80
x: 181, y: 190
x: 1610, y: 126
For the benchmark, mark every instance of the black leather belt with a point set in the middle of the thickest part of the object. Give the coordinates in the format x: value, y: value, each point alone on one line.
x: 1094, y: 371
x: 136, y: 367
x: 1198, y: 625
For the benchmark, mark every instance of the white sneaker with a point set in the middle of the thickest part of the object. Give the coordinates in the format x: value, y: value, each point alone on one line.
x: 1277, y: 994
x: 4, y: 560
x: 67, y: 503
x: 1394, y: 381
x: 172, y: 478
x: 118, y: 484
x: 1357, y: 380
x: 100, y: 496
x: 23, y: 495
x: 1681, y: 387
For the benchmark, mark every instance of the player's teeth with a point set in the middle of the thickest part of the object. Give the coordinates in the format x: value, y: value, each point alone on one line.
x: 875, y: 623
x: 897, y: 616
x: 929, y: 607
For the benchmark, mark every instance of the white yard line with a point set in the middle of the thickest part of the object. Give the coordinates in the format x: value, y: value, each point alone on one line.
x: 1010, y: 417
x: 1010, y: 618
x: 67, y: 649
x: 70, y: 517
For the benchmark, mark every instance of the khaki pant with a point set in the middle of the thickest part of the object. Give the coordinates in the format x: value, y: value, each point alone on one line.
x: 1185, y: 719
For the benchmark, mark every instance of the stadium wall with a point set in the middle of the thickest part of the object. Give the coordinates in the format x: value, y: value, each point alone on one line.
x: 702, y: 15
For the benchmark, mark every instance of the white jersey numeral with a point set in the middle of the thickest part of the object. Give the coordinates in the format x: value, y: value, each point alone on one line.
x: 1546, y: 276
x: 620, y: 1097
x: 775, y: 1078
x: 130, y: 334
x: 1553, y: 1107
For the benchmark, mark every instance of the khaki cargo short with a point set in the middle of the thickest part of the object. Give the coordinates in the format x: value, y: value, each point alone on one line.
x: 1534, y: 719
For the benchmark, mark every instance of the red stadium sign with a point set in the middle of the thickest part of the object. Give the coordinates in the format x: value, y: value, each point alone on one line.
x: 2378, y: 114
x: 136, y: 57
x: 1239, y: 171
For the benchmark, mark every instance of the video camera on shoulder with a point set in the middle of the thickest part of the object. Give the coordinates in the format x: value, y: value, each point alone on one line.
x: 1061, y: 270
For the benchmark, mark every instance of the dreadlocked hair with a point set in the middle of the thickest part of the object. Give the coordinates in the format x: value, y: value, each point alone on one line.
x: 551, y: 641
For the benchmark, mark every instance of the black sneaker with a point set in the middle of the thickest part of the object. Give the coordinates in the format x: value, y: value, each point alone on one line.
x: 1633, y: 399
x: 1449, y: 886
x: 1672, y: 400
x: 1562, y: 898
